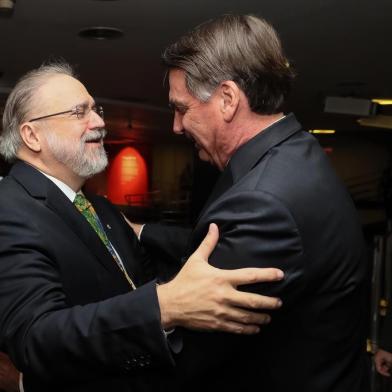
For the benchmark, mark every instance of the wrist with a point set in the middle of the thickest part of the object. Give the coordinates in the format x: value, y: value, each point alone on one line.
x: 168, y: 313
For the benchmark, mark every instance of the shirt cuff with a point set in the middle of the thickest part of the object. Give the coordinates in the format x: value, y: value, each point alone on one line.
x: 168, y: 332
x: 21, y: 389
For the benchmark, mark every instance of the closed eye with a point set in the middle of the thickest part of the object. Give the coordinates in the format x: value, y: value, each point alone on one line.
x: 179, y: 108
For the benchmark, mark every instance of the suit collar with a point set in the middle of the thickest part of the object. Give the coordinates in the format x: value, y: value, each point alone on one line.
x: 247, y: 156
x: 35, y: 183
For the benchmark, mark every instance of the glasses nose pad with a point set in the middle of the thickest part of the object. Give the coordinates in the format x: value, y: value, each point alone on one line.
x: 99, y: 111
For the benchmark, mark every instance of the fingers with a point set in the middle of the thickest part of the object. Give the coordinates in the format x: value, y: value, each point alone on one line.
x: 383, y: 362
x: 254, y: 301
x: 383, y: 370
x: 253, y: 275
x: 246, y: 317
x: 382, y: 365
x: 238, y: 328
x: 209, y: 242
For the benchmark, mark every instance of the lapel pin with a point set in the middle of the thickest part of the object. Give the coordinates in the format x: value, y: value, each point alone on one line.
x: 108, y: 226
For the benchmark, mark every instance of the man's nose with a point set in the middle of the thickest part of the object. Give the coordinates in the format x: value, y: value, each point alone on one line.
x: 95, y: 120
x: 177, y: 124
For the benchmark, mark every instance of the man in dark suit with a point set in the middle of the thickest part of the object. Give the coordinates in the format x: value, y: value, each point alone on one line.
x: 71, y: 317
x: 277, y: 203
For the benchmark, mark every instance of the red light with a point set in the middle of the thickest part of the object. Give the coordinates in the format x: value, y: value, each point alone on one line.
x: 127, y: 176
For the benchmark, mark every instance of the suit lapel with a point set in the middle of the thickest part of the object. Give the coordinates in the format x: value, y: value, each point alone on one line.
x: 115, y: 235
x: 62, y: 206
x: 42, y: 188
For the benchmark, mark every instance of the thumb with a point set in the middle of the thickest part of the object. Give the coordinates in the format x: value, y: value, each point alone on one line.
x: 208, y: 244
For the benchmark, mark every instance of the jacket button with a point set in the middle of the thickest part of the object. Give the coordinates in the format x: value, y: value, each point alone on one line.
x: 130, y: 364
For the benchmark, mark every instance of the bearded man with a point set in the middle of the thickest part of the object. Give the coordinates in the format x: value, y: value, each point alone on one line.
x: 78, y: 310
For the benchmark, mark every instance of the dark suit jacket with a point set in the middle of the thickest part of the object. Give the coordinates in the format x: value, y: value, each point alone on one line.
x: 67, y: 316
x: 279, y: 203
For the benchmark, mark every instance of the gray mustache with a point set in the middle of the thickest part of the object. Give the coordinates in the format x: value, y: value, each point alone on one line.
x: 94, y: 135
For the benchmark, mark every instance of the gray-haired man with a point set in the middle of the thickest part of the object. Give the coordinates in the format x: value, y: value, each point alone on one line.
x: 78, y: 310
x: 278, y: 202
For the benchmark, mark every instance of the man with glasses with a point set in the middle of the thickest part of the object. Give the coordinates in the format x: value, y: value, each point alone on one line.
x: 78, y: 308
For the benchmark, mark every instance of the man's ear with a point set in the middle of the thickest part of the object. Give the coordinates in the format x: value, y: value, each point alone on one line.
x: 230, y: 97
x: 30, y: 136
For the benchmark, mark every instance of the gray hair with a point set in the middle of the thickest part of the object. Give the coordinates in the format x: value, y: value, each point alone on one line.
x: 20, y: 102
x: 242, y: 48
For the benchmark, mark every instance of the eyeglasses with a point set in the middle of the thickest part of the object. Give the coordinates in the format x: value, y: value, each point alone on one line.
x: 80, y: 111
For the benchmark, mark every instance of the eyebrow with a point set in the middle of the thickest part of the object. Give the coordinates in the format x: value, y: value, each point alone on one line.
x: 173, y: 104
x: 85, y: 104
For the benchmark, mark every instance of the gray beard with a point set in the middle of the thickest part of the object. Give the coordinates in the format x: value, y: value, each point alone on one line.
x: 76, y: 157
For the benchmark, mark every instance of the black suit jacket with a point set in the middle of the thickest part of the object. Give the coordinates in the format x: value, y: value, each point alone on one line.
x: 67, y: 316
x: 279, y: 203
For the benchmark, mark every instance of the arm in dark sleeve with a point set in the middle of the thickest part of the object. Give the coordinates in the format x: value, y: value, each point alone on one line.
x: 49, y: 339
x: 171, y: 241
x: 257, y: 230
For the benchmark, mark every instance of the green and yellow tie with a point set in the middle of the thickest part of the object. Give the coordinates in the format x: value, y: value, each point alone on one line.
x: 87, y: 210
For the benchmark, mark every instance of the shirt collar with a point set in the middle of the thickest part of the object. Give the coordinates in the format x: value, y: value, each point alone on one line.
x: 70, y: 193
x: 254, y: 149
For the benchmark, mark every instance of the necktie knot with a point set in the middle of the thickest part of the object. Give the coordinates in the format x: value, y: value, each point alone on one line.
x: 81, y: 203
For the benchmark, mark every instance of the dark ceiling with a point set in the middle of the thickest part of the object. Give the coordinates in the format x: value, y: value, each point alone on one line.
x: 338, y: 47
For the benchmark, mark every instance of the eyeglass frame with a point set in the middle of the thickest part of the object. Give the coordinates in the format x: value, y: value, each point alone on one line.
x: 96, y: 108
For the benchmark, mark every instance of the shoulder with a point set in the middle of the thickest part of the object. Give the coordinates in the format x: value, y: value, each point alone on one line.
x: 101, y: 203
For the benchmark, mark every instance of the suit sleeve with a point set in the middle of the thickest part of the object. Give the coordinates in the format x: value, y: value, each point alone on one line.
x: 258, y: 230
x: 172, y: 241
x: 47, y: 338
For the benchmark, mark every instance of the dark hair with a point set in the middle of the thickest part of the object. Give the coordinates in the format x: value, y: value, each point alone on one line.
x: 242, y: 48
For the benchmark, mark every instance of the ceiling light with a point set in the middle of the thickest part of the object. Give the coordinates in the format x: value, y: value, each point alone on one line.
x: 349, y: 105
x: 7, y: 4
x: 378, y: 121
x: 7, y: 7
x: 101, y: 33
x: 382, y: 101
x: 322, y: 131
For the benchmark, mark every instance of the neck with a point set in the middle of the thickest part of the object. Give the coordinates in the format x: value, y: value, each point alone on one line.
x: 241, y: 131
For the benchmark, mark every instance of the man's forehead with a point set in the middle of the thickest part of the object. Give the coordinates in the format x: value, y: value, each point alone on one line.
x: 63, y: 89
x: 178, y: 92
x: 176, y: 79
